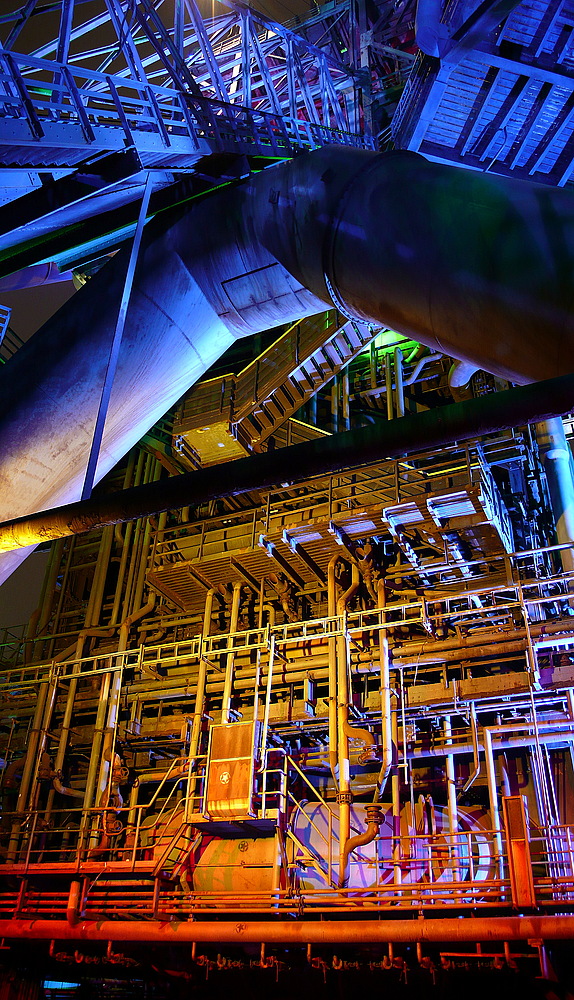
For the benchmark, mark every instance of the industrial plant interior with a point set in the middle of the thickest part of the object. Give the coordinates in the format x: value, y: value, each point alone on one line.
x: 286, y: 409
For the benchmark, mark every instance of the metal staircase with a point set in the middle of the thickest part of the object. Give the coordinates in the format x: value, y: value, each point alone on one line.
x: 230, y: 417
x: 10, y: 342
x: 333, y: 353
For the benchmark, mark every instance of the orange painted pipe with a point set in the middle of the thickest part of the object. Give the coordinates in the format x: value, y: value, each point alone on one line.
x: 549, y: 928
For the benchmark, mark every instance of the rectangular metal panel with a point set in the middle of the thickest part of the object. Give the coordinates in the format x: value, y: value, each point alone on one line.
x: 518, y: 847
x: 231, y: 771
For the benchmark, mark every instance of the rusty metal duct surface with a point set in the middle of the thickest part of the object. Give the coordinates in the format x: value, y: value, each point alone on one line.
x: 477, y: 266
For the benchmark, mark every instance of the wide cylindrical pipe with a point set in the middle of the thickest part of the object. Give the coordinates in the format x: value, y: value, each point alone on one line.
x: 476, y: 265
x: 352, y: 449
x: 559, y: 467
x: 491, y: 928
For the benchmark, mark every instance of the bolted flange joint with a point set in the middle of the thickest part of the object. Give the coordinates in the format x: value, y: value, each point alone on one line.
x: 374, y: 814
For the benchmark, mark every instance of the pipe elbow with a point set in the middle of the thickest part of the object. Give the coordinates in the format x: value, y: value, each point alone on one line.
x: 366, y: 736
x: 374, y: 820
x: 460, y: 373
x: 73, y: 793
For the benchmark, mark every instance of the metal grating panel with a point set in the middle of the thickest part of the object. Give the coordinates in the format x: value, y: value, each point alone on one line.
x: 506, y: 104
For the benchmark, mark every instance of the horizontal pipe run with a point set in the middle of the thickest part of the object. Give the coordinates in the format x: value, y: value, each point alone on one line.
x: 512, y: 743
x: 460, y: 655
x: 469, y: 644
x: 350, y: 450
x: 546, y: 928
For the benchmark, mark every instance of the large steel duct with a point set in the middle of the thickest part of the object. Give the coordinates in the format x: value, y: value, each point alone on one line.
x: 198, y: 287
x: 475, y: 265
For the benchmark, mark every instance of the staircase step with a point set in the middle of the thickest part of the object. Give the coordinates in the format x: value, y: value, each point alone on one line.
x: 353, y: 336
x: 268, y: 417
x: 307, y: 377
x: 295, y: 389
x: 323, y: 358
x: 332, y: 352
x: 283, y: 397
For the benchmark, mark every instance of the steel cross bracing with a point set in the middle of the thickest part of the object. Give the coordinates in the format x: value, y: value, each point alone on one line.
x: 503, y: 101
x: 175, y: 89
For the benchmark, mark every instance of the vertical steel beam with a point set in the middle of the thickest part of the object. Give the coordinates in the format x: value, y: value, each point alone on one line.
x: 115, y: 345
x: 245, y: 29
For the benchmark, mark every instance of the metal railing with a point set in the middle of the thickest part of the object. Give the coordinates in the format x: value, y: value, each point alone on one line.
x: 110, y: 112
x: 506, y: 607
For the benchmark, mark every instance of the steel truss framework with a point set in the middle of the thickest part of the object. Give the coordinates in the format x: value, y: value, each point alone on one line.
x: 175, y: 91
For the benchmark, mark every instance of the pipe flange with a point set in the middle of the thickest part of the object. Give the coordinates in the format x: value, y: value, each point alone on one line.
x: 330, y: 239
x: 374, y: 814
x: 345, y: 798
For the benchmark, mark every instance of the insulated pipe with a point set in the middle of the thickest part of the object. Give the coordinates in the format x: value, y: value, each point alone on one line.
x: 65, y: 729
x: 396, y: 802
x: 130, y: 479
x: 106, y: 763
x: 386, y: 706
x: 332, y: 696
x: 226, y: 715
x: 200, y: 691
x: 201, y: 679
x: 512, y: 743
x: 465, y: 654
x: 389, y: 386
x: 475, y: 265
x: 374, y: 820
x: 344, y: 794
x: 29, y: 764
x: 29, y: 788
x: 399, y: 390
x: 475, y: 751
x: 460, y: 374
x: 96, y: 749
x: 457, y: 422
x: 344, y: 730
x: 421, y: 363
x: 75, y: 793
x: 468, y: 644
x: 41, y: 616
x: 493, y: 800
x: 296, y: 932
x: 558, y: 465
x: 343, y: 660
x: 452, y: 804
